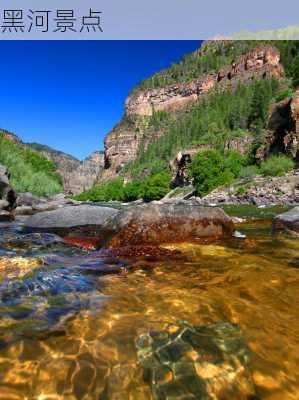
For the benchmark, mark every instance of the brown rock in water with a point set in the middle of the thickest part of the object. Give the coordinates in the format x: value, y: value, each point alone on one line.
x: 155, y: 223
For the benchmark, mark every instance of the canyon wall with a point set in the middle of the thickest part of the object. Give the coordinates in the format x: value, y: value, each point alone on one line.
x: 123, y: 142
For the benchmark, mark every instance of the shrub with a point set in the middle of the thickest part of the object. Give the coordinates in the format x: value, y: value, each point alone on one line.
x: 111, y: 190
x: 277, y: 165
x: 234, y: 162
x: 133, y: 191
x: 156, y: 186
x: 211, y: 169
x: 240, y: 191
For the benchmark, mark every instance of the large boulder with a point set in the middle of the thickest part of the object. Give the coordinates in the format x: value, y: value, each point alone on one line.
x: 72, y: 220
x: 288, y: 221
x: 155, y: 223
x: 6, y: 191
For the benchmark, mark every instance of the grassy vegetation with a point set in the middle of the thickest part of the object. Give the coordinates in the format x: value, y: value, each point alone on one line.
x: 30, y: 172
x: 277, y: 165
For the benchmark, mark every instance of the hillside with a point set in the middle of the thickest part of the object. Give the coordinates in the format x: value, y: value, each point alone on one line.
x: 76, y: 175
x: 42, y: 170
x: 229, y: 96
x: 160, y: 121
x: 30, y: 171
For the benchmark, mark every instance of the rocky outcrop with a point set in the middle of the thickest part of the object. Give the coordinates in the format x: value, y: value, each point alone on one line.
x: 262, y: 62
x: 125, y: 140
x: 282, y: 134
x: 155, y: 223
x: 8, y: 196
x: 85, y: 175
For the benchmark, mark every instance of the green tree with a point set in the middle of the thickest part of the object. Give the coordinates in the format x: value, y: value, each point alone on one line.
x: 211, y: 168
x: 156, y: 186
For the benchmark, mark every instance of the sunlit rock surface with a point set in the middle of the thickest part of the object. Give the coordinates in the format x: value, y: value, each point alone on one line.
x: 156, y: 223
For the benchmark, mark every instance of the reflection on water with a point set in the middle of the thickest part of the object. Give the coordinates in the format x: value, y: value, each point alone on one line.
x: 70, y: 333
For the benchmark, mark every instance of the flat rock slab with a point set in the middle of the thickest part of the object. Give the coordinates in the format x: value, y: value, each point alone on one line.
x: 72, y: 220
x: 155, y: 223
x: 196, y: 362
x: 288, y: 221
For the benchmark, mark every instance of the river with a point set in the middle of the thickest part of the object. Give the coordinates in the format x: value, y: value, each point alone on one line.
x: 69, y: 332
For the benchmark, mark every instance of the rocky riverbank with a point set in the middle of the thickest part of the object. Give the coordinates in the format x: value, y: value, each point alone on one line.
x: 258, y: 190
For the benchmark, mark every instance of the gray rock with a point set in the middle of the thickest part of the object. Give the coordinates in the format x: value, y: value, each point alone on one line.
x: 81, y: 220
x: 155, y: 223
x: 288, y: 221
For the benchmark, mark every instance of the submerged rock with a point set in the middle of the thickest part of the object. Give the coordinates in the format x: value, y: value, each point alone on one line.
x: 72, y: 219
x: 196, y: 362
x: 155, y: 223
x: 288, y: 221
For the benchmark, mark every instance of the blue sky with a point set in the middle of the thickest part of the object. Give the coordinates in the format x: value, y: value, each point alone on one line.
x: 69, y: 94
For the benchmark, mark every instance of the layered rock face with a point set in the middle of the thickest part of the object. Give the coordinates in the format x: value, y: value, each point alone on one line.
x: 123, y: 143
x: 84, y: 175
x: 261, y: 62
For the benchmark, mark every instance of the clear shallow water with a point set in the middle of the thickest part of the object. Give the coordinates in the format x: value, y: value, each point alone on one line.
x: 69, y: 332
